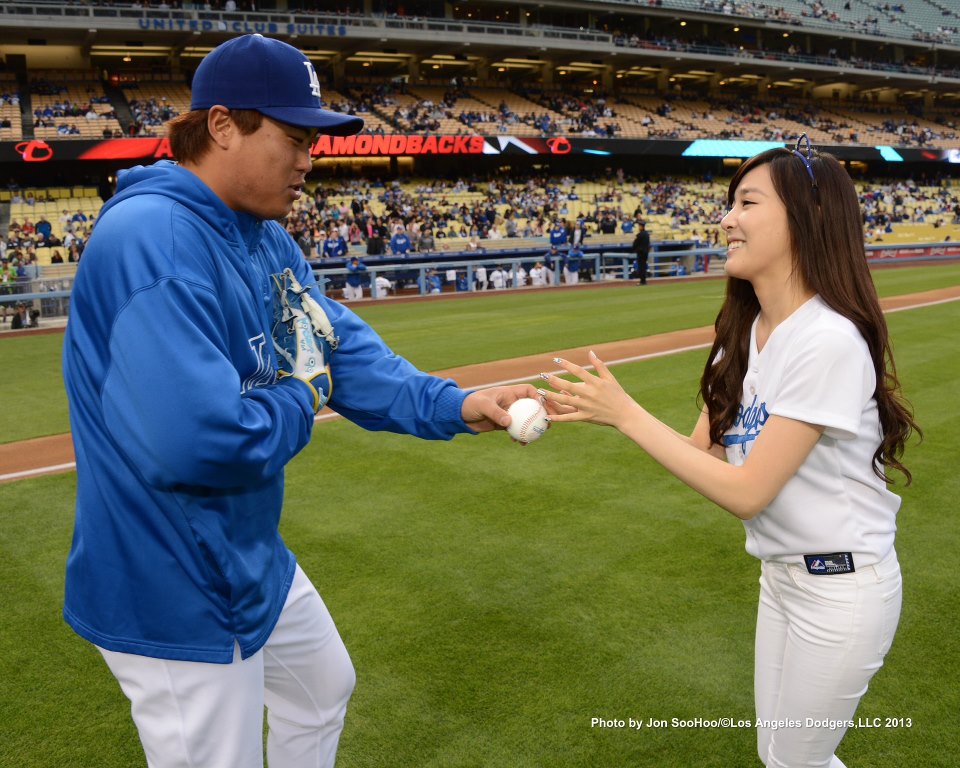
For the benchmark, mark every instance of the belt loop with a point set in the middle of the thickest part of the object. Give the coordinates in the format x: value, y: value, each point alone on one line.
x: 885, y: 568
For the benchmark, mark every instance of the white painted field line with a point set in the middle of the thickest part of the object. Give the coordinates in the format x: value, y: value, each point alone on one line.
x: 38, y: 471
x: 921, y: 306
x: 618, y: 361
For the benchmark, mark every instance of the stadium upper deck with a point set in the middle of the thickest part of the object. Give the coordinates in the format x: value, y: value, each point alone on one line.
x: 810, y: 48
x: 847, y: 72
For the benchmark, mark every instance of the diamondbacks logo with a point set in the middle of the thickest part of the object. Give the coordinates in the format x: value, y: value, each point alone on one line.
x: 314, y: 80
x: 36, y: 151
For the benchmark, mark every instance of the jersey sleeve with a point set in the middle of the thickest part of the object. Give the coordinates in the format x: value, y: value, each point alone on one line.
x: 170, y: 391
x: 173, y: 397
x: 377, y: 389
x: 827, y: 382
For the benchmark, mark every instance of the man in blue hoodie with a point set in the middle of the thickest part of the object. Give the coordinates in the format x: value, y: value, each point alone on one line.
x: 571, y: 264
x: 356, y: 270
x: 400, y: 242
x: 182, y: 428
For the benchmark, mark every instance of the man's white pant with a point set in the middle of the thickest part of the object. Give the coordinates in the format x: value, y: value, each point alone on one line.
x: 197, y: 715
x: 819, y: 641
x: 353, y: 292
x: 571, y: 277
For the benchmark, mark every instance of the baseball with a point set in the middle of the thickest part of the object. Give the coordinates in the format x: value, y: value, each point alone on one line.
x: 528, y: 420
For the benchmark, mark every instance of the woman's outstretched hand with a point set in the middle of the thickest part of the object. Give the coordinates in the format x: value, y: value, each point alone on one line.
x: 597, y: 398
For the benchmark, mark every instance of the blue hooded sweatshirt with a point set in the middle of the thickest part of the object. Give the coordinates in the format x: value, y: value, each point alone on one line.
x: 181, y: 428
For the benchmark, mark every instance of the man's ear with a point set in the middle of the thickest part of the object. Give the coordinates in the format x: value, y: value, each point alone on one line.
x: 221, y: 126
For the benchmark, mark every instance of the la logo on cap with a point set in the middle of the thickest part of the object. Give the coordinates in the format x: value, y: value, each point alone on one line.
x: 314, y: 80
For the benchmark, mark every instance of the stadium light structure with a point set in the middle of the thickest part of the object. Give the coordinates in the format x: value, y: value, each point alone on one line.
x: 121, y: 51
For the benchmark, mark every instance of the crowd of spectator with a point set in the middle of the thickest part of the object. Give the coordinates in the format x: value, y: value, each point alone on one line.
x: 850, y: 17
x: 584, y: 115
x: 62, y: 115
x: 343, y: 219
x: 905, y: 201
x: 566, y: 112
x: 595, y: 115
x: 343, y: 222
x: 418, y: 220
x: 422, y: 117
x: 822, y: 51
x: 25, y: 235
x: 149, y: 116
x: 375, y: 217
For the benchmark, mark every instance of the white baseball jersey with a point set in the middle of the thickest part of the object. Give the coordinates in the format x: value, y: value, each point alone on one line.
x: 816, y: 368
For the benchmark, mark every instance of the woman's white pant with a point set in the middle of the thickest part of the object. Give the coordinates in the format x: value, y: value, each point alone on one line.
x: 197, y: 715
x: 819, y: 641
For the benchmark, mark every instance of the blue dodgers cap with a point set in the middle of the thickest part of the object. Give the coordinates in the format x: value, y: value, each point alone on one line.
x: 270, y: 76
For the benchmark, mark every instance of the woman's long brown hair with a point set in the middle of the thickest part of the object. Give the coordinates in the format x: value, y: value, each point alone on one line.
x: 826, y: 239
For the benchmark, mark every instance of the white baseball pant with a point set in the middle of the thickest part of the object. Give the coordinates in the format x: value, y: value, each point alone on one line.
x: 819, y: 641
x: 191, y: 714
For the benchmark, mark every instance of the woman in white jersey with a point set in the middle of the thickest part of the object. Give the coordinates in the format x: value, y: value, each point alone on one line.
x: 802, y: 420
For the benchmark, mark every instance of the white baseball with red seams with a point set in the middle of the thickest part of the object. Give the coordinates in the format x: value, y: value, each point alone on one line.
x: 528, y: 420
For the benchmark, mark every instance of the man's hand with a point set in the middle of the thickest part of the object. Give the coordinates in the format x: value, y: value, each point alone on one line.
x: 486, y: 409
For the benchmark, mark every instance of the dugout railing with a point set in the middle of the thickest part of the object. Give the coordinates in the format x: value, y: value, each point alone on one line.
x: 414, y: 274
x: 47, y: 296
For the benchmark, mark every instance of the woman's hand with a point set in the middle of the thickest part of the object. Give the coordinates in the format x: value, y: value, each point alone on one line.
x: 598, y: 398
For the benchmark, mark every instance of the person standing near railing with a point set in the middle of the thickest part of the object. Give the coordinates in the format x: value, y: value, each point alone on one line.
x: 641, y: 247
x: 6, y: 286
x: 571, y: 264
x: 480, y: 274
x: 550, y: 261
x: 356, y: 269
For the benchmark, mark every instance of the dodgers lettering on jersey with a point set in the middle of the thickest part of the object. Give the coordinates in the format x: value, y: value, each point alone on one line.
x: 747, y: 425
x: 265, y: 372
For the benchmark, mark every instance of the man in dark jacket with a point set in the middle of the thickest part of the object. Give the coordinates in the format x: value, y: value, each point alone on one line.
x: 641, y: 247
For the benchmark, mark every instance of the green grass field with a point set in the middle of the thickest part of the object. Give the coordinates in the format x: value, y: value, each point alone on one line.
x: 496, y: 598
